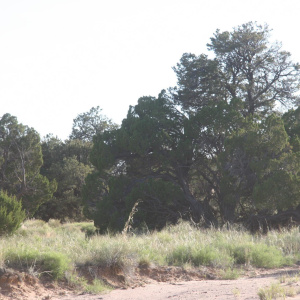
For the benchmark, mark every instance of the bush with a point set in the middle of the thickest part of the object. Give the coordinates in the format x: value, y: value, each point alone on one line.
x: 54, y: 264
x: 11, y: 213
x: 264, y: 256
x: 260, y: 255
x: 199, y: 256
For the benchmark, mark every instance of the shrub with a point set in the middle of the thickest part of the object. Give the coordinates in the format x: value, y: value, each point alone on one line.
x: 51, y: 263
x: 199, y: 256
x: 264, y: 256
x: 260, y: 255
x: 11, y: 213
x: 56, y: 263
x: 89, y: 229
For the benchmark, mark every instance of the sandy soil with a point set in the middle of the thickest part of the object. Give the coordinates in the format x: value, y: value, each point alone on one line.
x: 192, y: 290
x: 150, y: 284
x: 242, y: 289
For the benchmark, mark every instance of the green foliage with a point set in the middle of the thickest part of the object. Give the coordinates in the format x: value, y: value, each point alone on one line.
x: 276, y: 291
x: 89, y: 124
x: 280, y: 191
x: 30, y: 249
x: 67, y: 164
x: 264, y: 256
x: 199, y: 82
x: 148, y: 158
x: 55, y: 263
x: 259, y: 255
x: 249, y: 63
x: 70, y: 175
x: 80, y: 283
x: 116, y: 256
x: 20, y: 163
x: 160, y: 203
x: 52, y: 263
x: 11, y: 213
x: 110, y: 211
x: 215, y: 140
x: 92, y: 193
x: 230, y: 274
x: 198, y: 255
x: 89, y: 229
x: 43, y: 189
x: 260, y: 167
x: 291, y: 121
x: 96, y: 287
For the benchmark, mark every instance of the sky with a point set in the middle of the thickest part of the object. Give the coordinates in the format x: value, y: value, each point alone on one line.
x: 59, y: 58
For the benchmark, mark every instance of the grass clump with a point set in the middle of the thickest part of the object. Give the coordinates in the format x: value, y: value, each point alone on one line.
x: 93, y: 287
x: 259, y: 255
x: 50, y: 263
x: 197, y: 255
x: 276, y: 291
x: 264, y: 256
x: 96, y: 286
x: 230, y: 274
x: 33, y: 227
x: 272, y: 292
x: 116, y: 254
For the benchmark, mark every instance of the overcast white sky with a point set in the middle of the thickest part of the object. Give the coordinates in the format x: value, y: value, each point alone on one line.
x: 59, y: 58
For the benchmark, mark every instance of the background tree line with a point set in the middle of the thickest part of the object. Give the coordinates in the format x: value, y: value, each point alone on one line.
x: 221, y: 146
x: 47, y: 175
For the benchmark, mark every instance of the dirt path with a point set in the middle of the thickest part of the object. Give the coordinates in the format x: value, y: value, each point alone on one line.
x: 192, y: 290
x: 242, y: 289
x: 158, y: 284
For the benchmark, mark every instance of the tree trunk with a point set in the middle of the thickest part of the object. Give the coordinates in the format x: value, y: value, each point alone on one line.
x: 227, y: 209
x: 265, y: 222
x: 200, y: 211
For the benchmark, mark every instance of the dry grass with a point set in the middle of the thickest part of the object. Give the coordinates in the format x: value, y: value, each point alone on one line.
x: 57, y: 250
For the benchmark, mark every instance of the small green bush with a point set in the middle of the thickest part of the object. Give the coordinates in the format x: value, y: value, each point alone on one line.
x: 11, y: 213
x: 229, y: 274
x: 259, y: 255
x: 199, y: 256
x: 204, y: 257
x: 180, y: 255
x: 56, y: 263
x: 264, y: 256
x: 275, y: 291
x: 89, y: 229
x: 79, y: 282
x: 50, y: 263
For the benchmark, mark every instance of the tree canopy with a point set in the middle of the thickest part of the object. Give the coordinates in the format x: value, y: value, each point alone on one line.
x: 68, y: 163
x: 20, y: 163
x: 214, y: 149
x: 245, y: 66
x: 88, y: 124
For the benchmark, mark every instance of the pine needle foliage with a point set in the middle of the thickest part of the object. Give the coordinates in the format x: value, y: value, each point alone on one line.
x: 11, y: 213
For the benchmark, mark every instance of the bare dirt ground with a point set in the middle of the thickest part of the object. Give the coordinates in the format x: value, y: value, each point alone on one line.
x: 192, y: 290
x: 150, y: 284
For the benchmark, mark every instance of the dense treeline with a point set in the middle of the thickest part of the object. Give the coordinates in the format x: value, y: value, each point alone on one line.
x: 221, y: 146
x: 47, y: 175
